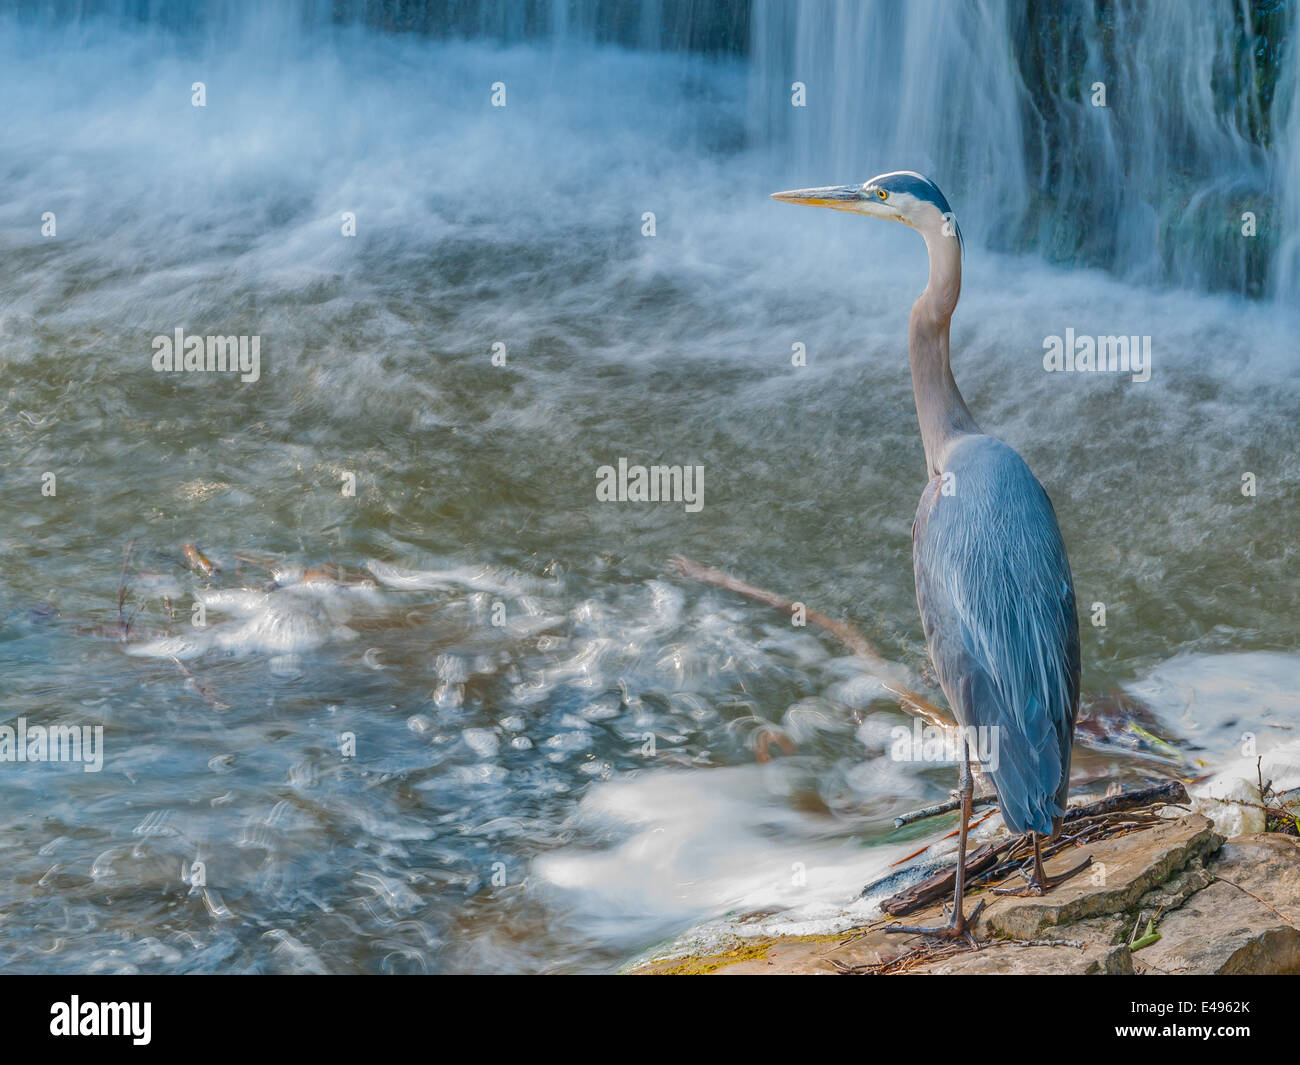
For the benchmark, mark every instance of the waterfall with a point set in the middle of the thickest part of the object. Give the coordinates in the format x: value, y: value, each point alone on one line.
x: 1001, y: 102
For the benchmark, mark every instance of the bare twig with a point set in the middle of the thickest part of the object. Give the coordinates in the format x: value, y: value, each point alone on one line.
x: 928, y: 951
x: 944, y: 807
x: 1042, y: 943
x: 1247, y: 891
x: 1162, y: 795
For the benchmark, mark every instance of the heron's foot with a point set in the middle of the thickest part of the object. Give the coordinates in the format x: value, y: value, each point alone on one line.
x: 958, y: 927
x: 1039, y: 886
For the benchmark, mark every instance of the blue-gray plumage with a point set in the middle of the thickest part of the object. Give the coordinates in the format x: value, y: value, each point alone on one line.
x: 997, y: 606
x: 992, y: 580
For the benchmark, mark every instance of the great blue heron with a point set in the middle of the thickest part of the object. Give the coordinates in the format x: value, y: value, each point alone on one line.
x: 992, y: 580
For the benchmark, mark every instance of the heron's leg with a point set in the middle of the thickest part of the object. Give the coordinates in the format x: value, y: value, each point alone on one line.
x: 1049, y: 882
x: 1039, y: 875
x: 1040, y: 882
x: 957, y: 925
x: 967, y: 794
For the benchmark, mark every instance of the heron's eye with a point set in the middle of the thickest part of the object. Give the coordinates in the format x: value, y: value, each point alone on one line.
x: 882, y: 194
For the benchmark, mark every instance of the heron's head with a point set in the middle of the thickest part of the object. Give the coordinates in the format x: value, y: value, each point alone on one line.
x: 903, y: 196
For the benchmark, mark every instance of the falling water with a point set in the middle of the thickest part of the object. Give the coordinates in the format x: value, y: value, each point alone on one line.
x: 1200, y: 123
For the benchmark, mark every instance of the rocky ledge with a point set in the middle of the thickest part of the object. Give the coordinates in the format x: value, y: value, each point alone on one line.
x: 1174, y: 899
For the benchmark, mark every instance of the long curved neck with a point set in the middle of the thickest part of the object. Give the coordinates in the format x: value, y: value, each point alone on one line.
x: 939, y: 407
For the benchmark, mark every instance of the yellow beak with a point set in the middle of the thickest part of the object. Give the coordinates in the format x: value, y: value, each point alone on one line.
x: 836, y: 197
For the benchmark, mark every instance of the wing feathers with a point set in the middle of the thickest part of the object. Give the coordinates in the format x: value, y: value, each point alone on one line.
x: 997, y: 601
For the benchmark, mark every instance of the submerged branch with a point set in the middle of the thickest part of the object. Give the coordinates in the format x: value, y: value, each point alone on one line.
x: 841, y: 630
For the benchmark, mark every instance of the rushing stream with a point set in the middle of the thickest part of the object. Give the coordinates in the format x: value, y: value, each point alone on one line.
x: 446, y: 710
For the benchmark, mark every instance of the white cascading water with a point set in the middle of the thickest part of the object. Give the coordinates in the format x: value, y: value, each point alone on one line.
x: 1152, y: 185
x: 994, y: 97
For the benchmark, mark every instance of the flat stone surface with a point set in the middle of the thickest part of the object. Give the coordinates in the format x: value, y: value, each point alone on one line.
x: 1247, y: 921
x: 1010, y: 960
x: 1267, y: 864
